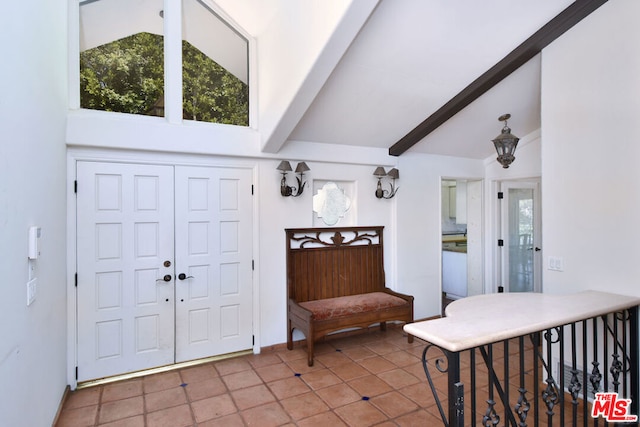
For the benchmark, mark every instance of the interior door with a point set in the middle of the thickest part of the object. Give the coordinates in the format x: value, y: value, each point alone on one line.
x: 213, y: 261
x: 522, y: 257
x: 125, y: 268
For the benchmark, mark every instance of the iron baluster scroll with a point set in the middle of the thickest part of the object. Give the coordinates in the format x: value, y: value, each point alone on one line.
x: 522, y: 406
x: 543, y: 376
x: 550, y: 395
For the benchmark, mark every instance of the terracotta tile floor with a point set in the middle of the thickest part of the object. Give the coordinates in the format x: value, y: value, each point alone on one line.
x: 373, y: 378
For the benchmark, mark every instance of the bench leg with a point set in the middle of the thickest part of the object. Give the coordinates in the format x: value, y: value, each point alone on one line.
x: 409, y: 338
x: 289, y: 335
x: 383, y: 326
x: 309, y: 352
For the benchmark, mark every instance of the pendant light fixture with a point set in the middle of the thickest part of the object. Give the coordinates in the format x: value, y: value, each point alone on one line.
x: 505, y: 143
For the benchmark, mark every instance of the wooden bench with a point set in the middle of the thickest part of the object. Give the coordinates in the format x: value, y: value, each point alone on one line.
x: 336, y: 280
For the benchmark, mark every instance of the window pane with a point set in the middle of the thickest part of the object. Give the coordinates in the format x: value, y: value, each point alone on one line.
x: 215, y: 68
x: 521, y: 240
x: 121, y: 56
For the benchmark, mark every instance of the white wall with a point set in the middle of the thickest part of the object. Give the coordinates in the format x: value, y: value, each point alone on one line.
x: 33, y: 107
x: 418, y: 218
x: 591, y: 152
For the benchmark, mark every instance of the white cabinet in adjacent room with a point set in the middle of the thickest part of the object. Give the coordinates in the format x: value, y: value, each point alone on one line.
x: 454, y: 274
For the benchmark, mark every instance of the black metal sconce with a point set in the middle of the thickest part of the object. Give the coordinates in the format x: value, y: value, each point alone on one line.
x: 505, y: 143
x: 286, y: 190
x: 393, y: 174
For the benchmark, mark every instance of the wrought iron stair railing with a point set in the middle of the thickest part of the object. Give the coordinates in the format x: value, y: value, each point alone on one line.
x: 534, y: 360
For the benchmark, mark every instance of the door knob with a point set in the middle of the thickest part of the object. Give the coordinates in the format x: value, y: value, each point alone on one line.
x: 183, y: 276
x: 166, y: 278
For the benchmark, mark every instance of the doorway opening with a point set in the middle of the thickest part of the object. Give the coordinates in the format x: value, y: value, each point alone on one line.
x: 461, y: 230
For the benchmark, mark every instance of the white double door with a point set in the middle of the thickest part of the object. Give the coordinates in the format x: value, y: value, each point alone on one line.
x: 164, y: 265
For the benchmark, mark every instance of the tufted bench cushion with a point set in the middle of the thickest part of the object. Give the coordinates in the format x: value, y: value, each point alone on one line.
x: 331, y: 308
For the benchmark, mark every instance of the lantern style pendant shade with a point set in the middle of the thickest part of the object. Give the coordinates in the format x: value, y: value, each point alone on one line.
x: 505, y: 143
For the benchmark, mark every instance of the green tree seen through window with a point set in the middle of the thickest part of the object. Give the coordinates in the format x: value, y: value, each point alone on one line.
x: 127, y: 76
x: 210, y: 93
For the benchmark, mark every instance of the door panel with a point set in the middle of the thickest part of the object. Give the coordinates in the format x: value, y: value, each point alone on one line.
x: 213, y: 250
x: 125, y: 235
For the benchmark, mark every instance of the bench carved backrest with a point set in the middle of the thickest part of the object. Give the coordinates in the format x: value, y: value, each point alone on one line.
x: 334, y: 262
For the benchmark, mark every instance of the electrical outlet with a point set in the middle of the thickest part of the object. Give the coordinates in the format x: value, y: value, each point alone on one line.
x: 556, y: 263
x: 31, y: 290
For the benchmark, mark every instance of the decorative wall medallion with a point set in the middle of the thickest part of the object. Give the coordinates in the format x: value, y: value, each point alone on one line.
x: 331, y: 203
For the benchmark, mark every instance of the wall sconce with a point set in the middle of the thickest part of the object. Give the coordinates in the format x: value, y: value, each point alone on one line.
x: 286, y: 190
x: 393, y: 174
x: 505, y: 143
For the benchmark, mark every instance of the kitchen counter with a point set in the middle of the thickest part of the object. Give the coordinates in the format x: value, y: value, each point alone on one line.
x: 458, y: 249
x: 454, y: 238
x: 454, y: 243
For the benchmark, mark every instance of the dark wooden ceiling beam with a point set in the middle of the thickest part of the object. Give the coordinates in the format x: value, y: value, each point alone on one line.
x: 516, y: 58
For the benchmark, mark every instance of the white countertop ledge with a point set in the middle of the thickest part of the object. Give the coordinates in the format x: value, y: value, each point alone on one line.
x: 482, y: 319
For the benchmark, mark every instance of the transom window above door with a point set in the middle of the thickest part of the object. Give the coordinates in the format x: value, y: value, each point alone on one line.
x: 123, y: 67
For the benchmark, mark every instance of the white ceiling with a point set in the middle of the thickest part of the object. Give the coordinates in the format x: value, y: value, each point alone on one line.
x: 411, y: 57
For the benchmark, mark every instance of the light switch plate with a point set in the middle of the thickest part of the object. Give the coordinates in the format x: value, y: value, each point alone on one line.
x: 556, y: 263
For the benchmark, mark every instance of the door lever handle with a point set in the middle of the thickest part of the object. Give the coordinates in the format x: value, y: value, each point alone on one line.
x: 166, y: 278
x: 183, y: 276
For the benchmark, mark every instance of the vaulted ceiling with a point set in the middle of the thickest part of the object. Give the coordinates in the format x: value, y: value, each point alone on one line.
x: 412, y: 57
